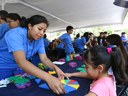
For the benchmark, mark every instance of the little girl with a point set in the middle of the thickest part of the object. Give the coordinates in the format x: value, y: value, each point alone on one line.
x: 98, y: 60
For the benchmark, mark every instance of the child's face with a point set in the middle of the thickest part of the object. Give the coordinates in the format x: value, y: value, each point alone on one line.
x: 91, y: 71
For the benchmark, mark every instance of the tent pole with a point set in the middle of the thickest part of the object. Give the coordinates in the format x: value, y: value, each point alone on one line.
x: 3, y: 3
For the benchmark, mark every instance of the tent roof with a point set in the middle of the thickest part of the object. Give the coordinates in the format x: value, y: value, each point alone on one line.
x: 61, y: 13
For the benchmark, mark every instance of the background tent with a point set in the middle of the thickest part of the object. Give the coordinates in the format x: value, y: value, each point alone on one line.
x: 60, y: 13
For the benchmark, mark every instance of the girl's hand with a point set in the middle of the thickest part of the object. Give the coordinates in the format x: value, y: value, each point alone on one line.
x: 55, y: 85
x: 68, y: 74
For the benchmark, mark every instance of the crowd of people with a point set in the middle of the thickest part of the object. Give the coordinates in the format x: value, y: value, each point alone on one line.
x: 105, y: 57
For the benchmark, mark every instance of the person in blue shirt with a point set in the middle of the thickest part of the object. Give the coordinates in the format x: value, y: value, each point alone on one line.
x: 76, y: 41
x: 124, y: 39
x: 66, y: 39
x: 82, y: 42
x: 46, y: 41
x: 3, y: 29
x: 20, y: 44
x: 3, y: 25
x: 12, y: 21
x: 3, y: 14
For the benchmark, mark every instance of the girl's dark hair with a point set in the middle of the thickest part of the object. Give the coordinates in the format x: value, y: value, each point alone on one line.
x: 14, y: 16
x: 35, y: 19
x: 115, y: 39
x: 98, y: 55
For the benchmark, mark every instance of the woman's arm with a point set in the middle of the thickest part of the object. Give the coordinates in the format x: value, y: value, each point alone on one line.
x: 53, y: 82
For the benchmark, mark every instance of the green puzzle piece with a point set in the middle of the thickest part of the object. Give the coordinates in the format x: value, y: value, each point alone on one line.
x: 81, y: 69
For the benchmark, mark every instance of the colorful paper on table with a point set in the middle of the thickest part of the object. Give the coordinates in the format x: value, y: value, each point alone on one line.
x: 69, y: 85
x: 58, y: 63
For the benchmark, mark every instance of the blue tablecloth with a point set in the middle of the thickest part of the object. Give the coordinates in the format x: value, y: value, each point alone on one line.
x: 34, y: 90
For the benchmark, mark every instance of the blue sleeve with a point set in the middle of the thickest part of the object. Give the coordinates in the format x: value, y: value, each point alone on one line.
x: 3, y: 29
x: 41, y: 47
x: 14, y: 40
x: 62, y: 37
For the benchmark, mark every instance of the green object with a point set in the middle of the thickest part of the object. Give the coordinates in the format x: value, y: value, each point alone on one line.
x: 42, y: 66
x: 81, y: 69
x: 18, y: 80
x: 67, y: 58
x: 83, y: 65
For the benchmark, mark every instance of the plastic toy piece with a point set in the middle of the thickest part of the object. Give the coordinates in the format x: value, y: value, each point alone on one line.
x: 81, y: 69
x: 20, y: 82
x: 67, y: 58
x: 73, y: 64
x: 79, y: 58
x: 37, y: 81
x: 52, y: 72
x: 83, y: 66
x: 43, y: 67
x: 62, y: 60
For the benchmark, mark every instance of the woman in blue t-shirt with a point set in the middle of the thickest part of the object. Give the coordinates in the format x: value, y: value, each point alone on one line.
x: 20, y: 44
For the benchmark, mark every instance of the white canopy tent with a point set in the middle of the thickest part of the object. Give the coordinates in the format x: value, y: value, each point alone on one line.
x: 61, y: 13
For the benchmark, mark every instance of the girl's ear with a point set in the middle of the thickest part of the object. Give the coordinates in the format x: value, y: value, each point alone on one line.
x: 101, y: 68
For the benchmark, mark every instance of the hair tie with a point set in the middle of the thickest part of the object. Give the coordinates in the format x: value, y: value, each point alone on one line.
x: 109, y: 50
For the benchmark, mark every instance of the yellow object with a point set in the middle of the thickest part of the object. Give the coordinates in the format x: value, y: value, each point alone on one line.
x: 52, y: 72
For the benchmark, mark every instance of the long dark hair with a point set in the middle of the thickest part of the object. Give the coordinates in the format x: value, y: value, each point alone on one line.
x: 98, y: 55
x: 115, y: 39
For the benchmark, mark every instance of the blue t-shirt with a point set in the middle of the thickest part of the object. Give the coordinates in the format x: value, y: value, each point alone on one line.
x: 124, y: 39
x: 3, y: 29
x: 76, y: 42
x: 16, y: 40
x: 46, y: 42
x: 60, y: 45
x: 81, y: 43
x: 67, y: 40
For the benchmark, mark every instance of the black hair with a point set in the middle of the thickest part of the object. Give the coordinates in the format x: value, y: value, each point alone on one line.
x: 98, y: 55
x: 3, y: 14
x: 101, y: 33
x: 35, y: 19
x: 86, y: 36
x: 45, y: 36
x: 78, y: 35
x: 123, y: 33
x: 14, y: 16
x: 105, y: 32
x: 69, y: 28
